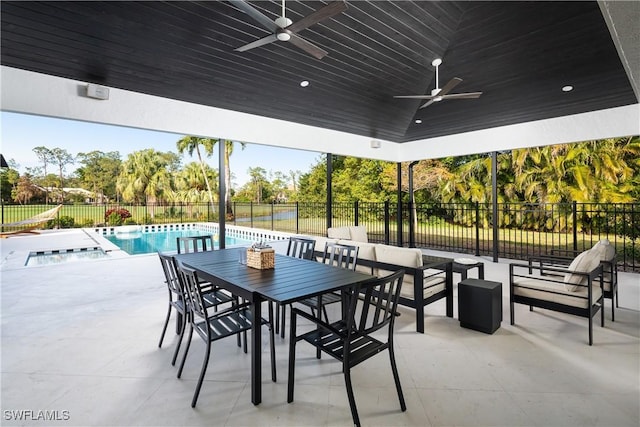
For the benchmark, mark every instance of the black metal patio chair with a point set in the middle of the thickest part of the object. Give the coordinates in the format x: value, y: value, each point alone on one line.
x: 298, y: 247
x: 179, y: 301
x: 336, y: 255
x: 562, y: 258
x: 212, y: 327
x: 351, y: 340
x: 194, y: 244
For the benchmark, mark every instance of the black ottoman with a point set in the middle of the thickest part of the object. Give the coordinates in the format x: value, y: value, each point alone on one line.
x: 480, y: 305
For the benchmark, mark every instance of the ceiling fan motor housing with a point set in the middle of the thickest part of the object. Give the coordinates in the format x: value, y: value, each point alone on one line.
x: 283, y: 35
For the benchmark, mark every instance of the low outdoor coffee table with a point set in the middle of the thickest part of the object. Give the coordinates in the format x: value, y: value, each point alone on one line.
x: 462, y: 265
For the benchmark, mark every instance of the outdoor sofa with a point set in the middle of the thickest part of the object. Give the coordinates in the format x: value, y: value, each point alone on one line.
x: 421, y: 285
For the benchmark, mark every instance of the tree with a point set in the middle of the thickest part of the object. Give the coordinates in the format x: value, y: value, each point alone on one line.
x: 190, y: 187
x: 258, y: 180
x: 228, y: 150
x: 191, y: 143
x: 591, y: 171
x: 278, y: 186
x: 146, y: 176
x: 25, y: 190
x: 353, y: 179
x: 62, y: 158
x: 99, y: 172
x: 295, y: 176
x: 8, y: 180
x: 312, y: 185
x: 46, y: 157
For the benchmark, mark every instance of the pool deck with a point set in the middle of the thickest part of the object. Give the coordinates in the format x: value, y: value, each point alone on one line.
x: 82, y: 337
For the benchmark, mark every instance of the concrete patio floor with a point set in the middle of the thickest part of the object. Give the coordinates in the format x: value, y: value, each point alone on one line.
x: 80, y: 341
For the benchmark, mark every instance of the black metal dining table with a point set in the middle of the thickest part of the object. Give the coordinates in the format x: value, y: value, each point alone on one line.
x: 291, y: 280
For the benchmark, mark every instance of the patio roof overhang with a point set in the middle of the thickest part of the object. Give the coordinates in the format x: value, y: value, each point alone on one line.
x: 34, y: 93
x: 517, y: 109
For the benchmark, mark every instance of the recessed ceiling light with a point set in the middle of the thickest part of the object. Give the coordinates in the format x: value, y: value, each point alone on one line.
x: 304, y: 83
x: 567, y: 88
x: 418, y: 121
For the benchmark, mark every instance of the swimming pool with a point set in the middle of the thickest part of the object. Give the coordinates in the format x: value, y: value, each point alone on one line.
x: 140, y: 242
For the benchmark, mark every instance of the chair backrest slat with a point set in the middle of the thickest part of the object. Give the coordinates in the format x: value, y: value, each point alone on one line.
x: 376, y: 304
x: 300, y: 247
x: 338, y: 255
x: 194, y: 244
x: 171, y: 274
x: 193, y: 290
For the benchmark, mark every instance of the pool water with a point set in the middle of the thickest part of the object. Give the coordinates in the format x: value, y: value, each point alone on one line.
x: 137, y: 243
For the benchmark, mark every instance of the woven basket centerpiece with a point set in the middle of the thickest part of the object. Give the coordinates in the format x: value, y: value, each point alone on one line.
x: 261, y: 257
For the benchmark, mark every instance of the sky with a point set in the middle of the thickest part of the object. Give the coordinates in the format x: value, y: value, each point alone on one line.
x: 20, y: 133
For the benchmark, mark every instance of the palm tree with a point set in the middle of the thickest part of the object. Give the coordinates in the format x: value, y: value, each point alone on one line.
x: 228, y: 150
x: 191, y: 143
x: 191, y: 185
x: 146, y: 176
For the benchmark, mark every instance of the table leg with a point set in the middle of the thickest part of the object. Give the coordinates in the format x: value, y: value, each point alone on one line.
x: 481, y: 272
x: 256, y: 353
x: 319, y: 317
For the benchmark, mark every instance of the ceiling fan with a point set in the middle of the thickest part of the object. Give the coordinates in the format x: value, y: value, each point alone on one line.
x: 286, y: 30
x: 438, y: 94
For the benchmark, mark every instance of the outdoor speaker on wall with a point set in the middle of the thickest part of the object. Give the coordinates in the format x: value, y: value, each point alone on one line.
x: 97, y: 92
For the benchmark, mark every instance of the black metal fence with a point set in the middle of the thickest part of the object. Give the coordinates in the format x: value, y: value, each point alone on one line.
x: 524, y: 229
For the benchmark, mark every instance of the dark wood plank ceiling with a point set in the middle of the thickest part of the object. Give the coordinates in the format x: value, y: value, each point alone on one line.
x: 519, y: 54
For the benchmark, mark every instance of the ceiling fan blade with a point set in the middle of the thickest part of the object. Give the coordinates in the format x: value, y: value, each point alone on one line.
x: 450, y: 85
x: 308, y: 47
x: 332, y: 9
x: 415, y: 96
x: 467, y: 95
x: 259, y: 42
x: 426, y: 104
x: 255, y: 14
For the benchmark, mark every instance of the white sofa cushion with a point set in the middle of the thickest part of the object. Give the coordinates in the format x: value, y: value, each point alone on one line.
x: 434, y: 281
x: 365, y: 250
x: 339, y: 233
x: 359, y: 233
x: 431, y: 285
x: 554, y: 292
x: 405, y: 257
x: 321, y: 243
x: 584, y: 263
x: 605, y: 249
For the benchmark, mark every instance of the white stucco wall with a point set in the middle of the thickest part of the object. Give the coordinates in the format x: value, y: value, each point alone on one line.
x: 34, y: 93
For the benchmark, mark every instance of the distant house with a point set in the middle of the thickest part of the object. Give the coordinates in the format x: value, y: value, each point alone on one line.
x: 281, y: 197
x: 87, y: 196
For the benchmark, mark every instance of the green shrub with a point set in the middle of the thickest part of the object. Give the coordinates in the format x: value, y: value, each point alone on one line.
x: 63, y: 221
x: 114, y: 218
x: 66, y: 221
x: 87, y: 222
